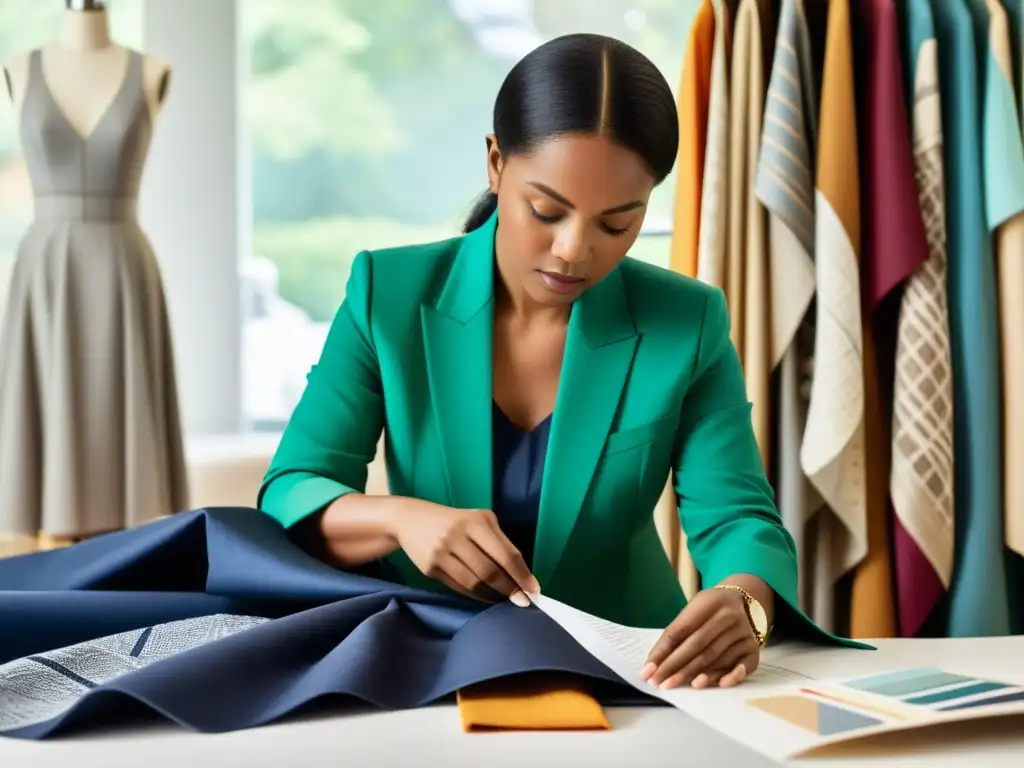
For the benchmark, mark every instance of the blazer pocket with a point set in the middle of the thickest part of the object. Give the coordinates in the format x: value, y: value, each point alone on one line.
x: 633, y: 437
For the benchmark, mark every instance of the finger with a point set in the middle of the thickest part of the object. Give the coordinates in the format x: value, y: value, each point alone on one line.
x: 457, y: 575
x: 738, y: 655
x: 720, y: 634
x: 725, y: 653
x: 492, y: 540
x: 487, y: 571
x: 735, y: 677
x: 726, y: 676
x: 693, y: 616
x: 747, y: 666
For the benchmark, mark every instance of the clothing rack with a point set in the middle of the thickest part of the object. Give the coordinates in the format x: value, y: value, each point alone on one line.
x: 851, y: 175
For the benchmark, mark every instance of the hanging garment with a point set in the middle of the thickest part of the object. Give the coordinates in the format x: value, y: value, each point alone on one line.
x: 746, y: 284
x: 895, y: 247
x: 693, y: 103
x: 90, y: 439
x: 1015, y: 16
x: 711, y: 253
x: 711, y: 243
x: 694, y: 94
x: 978, y: 599
x: 832, y: 452
x: 785, y: 186
x: 921, y: 482
x: 1003, y: 157
x: 1004, y: 201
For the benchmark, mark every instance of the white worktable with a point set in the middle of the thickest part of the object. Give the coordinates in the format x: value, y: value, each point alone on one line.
x: 640, y: 736
x: 432, y: 737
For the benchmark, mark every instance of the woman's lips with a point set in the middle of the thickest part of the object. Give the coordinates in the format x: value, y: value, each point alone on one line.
x: 560, y: 283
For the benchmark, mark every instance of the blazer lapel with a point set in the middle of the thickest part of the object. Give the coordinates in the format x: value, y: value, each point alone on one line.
x: 457, y: 337
x: 599, y: 351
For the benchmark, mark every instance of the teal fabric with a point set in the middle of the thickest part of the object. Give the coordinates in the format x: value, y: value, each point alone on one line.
x: 1015, y: 12
x: 978, y: 595
x: 1002, y: 150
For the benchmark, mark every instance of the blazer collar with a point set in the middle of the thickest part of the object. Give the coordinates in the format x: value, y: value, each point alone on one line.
x: 601, y: 315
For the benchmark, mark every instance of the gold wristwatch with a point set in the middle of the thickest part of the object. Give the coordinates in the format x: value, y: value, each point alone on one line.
x: 755, y: 613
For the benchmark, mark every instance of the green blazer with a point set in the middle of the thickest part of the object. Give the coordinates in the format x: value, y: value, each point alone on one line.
x: 650, y: 382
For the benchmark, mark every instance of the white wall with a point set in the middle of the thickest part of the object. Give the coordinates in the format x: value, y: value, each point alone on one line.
x: 194, y: 200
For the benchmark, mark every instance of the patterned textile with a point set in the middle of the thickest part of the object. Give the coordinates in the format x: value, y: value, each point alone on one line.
x: 832, y: 452
x: 922, y: 476
x: 785, y: 186
x: 189, y: 593
x: 43, y: 686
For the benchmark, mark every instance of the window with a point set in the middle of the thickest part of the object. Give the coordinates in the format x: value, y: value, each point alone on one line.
x: 366, y: 124
x: 24, y: 25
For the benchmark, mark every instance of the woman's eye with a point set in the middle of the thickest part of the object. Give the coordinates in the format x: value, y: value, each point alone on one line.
x: 613, y: 230
x: 546, y: 219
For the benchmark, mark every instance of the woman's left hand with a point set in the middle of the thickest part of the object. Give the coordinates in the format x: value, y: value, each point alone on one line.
x: 710, y: 642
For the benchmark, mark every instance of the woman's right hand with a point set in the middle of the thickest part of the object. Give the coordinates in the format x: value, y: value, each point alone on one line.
x: 466, y: 550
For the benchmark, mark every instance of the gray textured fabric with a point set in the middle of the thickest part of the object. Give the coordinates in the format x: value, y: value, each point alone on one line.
x: 89, y: 425
x: 41, y: 687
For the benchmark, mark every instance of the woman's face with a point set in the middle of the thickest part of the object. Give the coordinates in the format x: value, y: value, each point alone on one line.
x: 568, y: 213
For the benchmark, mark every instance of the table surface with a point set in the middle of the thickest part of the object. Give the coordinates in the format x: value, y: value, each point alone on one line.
x: 640, y: 736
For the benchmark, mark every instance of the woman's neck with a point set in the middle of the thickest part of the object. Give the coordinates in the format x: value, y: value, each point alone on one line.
x: 85, y: 30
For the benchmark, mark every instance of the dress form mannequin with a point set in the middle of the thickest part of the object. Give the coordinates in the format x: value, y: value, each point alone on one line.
x: 90, y: 439
x: 83, y: 52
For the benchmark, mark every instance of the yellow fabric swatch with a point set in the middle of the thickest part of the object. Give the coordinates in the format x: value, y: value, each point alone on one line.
x: 530, y: 703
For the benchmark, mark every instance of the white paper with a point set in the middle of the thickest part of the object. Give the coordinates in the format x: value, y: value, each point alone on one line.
x: 799, y: 683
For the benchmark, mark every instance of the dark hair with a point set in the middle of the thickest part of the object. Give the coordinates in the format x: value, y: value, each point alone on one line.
x: 584, y: 84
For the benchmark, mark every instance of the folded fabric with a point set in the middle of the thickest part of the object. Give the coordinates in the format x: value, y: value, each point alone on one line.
x: 531, y: 703
x: 214, y: 619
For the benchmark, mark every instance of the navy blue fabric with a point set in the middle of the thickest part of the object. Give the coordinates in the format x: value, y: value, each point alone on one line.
x: 518, y: 472
x: 332, y: 633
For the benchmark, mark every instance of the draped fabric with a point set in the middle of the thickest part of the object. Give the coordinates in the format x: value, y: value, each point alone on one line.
x: 711, y: 245
x: 711, y: 251
x: 785, y: 186
x: 694, y: 95
x: 832, y: 451
x: 1015, y: 16
x: 168, y: 618
x: 978, y: 596
x: 921, y: 481
x: 746, y: 283
x: 1004, y: 198
x: 894, y: 246
x: 693, y: 105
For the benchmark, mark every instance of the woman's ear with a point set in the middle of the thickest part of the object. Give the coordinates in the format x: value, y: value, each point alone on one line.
x: 494, y: 163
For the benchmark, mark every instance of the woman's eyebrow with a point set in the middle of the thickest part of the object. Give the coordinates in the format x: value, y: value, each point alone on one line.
x: 568, y: 204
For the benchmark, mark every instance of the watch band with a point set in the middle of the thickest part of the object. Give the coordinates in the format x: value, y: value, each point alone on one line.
x: 748, y: 599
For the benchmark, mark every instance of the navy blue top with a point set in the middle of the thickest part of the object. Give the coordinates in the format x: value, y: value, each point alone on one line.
x: 518, y: 470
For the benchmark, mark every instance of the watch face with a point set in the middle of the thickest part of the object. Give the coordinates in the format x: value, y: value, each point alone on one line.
x: 758, y: 617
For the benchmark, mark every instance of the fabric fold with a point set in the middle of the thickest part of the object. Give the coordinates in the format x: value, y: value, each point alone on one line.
x: 1004, y: 197
x: 785, y: 186
x: 978, y: 597
x: 168, y: 618
x: 693, y: 105
x: 692, y: 102
x: 832, y: 451
x: 922, y: 476
x: 746, y: 282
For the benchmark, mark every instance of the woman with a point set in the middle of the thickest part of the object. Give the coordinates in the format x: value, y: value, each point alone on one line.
x: 536, y: 386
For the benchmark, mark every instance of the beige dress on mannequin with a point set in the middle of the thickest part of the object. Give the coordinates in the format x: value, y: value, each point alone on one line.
x: 90, y: 439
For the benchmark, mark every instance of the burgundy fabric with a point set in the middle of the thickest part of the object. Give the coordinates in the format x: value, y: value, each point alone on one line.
x: 894, y: 246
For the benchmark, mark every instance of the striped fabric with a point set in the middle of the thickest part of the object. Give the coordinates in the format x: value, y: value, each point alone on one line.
x: 785, y: 186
